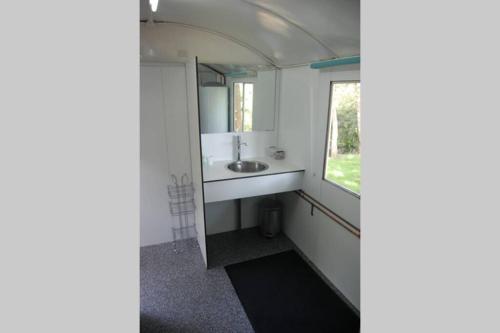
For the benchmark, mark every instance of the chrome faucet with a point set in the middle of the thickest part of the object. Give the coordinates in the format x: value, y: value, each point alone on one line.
x: 238, y: 146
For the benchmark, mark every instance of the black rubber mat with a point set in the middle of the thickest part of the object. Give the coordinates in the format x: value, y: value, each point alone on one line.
x: 281, y: 293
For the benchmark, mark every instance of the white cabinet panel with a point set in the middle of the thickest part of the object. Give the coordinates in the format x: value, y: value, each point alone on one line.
x: 252, y: 186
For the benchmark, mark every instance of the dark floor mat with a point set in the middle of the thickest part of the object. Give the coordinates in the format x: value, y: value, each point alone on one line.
x: 281, y: 293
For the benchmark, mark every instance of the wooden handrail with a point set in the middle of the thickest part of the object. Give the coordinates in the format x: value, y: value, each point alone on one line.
x: 325, y: 210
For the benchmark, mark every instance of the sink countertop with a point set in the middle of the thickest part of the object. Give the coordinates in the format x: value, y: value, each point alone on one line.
x: 219, y: 171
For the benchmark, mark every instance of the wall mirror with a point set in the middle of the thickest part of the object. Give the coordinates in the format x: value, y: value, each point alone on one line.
x: 235, y: 98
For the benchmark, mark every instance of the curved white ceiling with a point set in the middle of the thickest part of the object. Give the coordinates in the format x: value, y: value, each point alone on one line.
x: 280, y: 32
x: 173, y: 42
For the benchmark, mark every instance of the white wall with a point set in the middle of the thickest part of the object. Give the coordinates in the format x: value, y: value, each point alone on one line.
x: 164, y: 146
x: 330, y: 247
x: 221, y: 145
x: 264, y: 100
x: 296, y: 98
x: 250, y: 209
x: 222, y: 216
x: 302, y: 132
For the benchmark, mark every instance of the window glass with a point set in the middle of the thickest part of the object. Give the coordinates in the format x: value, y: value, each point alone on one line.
x: 243, y: 107
x: 238, y: 107
x: 343, y: 153
x: 248, y: 107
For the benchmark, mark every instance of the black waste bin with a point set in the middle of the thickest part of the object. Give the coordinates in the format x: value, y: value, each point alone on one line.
x: 270, y: 215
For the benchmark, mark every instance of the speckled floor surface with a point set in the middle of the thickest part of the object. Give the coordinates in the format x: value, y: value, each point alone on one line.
x: 237, y: 246
x: 179, y: 295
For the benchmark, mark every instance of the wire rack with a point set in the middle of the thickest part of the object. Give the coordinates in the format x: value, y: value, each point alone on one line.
x: 180, y: 191
x: 182, y: 205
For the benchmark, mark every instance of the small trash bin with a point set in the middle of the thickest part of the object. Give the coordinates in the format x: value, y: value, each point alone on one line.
x: 270, y: 215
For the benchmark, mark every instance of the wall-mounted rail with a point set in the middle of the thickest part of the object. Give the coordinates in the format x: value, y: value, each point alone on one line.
x: 325, y: 210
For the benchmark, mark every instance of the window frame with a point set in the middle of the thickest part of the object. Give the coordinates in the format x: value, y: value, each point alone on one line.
x: 242, y: 111
x: 325, y: 152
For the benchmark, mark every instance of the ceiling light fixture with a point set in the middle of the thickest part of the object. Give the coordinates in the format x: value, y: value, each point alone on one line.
x: 154, y: 5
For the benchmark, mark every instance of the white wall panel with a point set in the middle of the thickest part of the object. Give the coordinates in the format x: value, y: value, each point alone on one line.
x: 221, y: 216
x: 333, y: 250
x: 264, y: 99
x: 338, y: 256
x: 164, y: 146
x: 294, y: 116
x: 156, y: 221
x: 297, y: 224
x: 221, y: 146
x: 176, y: 120
x: 302, y: 132
x: 250, y: 210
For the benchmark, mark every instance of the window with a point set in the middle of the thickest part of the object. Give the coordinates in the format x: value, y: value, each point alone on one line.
x: 342, y: 156
x: 243, y: 107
